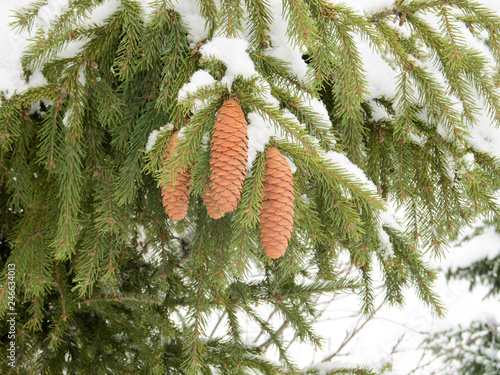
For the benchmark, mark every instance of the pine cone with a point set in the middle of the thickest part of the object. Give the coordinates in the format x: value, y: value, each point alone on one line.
x: 276, y: 213
x: 228, y: 160
x: 175, y: 197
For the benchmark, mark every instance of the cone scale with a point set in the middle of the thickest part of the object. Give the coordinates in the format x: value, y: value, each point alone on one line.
x: 276, y: 214
x: 228, y: 160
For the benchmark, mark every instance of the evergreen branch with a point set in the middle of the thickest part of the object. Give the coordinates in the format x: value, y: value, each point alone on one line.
x: 349, y: 93
x: 420, y: 274
x: 49, y: 137
x: 235, y: 330
x: 230, y: 17
x: 315, y: 124
x: 178, y: 65
x: 193, y: 346
x: 158, y: 26
x: 131, y: 176
x: 89, y: 263
x: 358, y: 22
x: 18, y: 183
x: 301, y: 27
x: 278, y: 69
x: 331, y: 174
x: 354, y: 371
x: 484, y: 87
x: 132, y: 33
x: 10, y: 116
x: 287, y: 124
x: 368, y: 296
x: 208, y: 9
x: 247, y: 214
x: 70, y: 181
x: 261, y: 20
x: 306, y: 216
x: 449, y: 57
x: 201, y: 123
x: 26, y: 18
x: 45, y: 47
x: 272, y: 335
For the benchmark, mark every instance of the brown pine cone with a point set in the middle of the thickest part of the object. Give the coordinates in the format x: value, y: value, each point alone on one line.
x: 228, y: 160
x: 175, y: 196
x: 276, y: 213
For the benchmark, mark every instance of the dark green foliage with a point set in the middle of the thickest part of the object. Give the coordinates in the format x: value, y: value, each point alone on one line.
x: 106, y: 282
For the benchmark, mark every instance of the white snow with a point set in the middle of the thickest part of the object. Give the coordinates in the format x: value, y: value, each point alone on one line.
x: 71, y: 49
x: 485, y: 136
x: 199, y: 79
x: 193, y: 19
x: 152, y: 140
x: 102, y: 12
x: 36, y: 79
x: 260, y: 131
x: 153, y: 136
x: 392, y: 217
x: 468, y: 159
x: 265, y: 93
x: 380, y: 77
x: 232, y: 52
x: 340, y: 160
x: 291, y: 164
x: 485, y: 245
x: 385, y: 243
x: 369, y: 6
x: 418, y: 139
x: 68, y: 117
x: 50, y: 12
x: 12, y: 45
x: 318, y: 107
x: 82, y: 79
x: 281, y: 46
x: 379, y: 111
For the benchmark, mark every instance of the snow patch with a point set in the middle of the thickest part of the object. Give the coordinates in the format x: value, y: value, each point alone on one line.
x: 260, y: 131
x: 102, y: 12
x: 50, y: 12
x: 291, y: 164
x: 68, y: 117
x: 200, y: 78
x: 153, y: 136
x: 281, y: 46
x: 379, y: 112
x: 152, y: 140
x: 381, y: 79
x: 485, y: 136
x: 386, y: 248
x: 191, y: 16
x: 232, y: 52
x: 72, y: 49
x: 484, y: 245
x: 418, y: 139
x: 370, y: 6
x: 342, y: 161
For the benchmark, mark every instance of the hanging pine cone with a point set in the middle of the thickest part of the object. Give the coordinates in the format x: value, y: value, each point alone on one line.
x: 276, y: 213
x: 175, y: 196
x: 228, y: 160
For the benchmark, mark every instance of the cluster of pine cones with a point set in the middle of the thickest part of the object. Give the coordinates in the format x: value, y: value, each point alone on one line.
x: 228, y: 160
